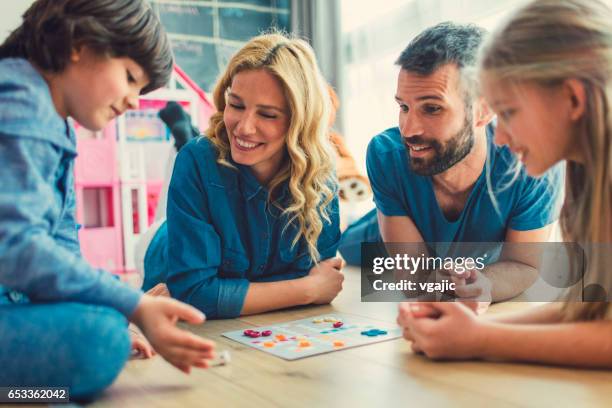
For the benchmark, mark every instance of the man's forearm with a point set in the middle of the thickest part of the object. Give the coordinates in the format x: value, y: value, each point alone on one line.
x: 509, y: 279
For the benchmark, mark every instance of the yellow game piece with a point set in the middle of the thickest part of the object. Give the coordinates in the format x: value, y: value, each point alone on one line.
x: 330, y: 319
x: 317, y: 320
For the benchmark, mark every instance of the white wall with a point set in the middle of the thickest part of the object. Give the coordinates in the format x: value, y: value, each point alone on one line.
x: 10, y: 15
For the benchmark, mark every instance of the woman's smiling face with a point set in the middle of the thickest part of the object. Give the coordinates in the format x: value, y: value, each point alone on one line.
x: 257, y: 119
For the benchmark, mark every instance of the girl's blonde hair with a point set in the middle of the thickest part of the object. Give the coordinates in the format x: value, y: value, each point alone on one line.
x: 308, y: 166
x: 547, y: 42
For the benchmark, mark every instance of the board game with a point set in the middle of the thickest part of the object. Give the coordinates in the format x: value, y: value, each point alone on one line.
x: 315, y: 335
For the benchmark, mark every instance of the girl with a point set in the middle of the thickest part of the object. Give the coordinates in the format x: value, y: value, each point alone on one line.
x: 63, y: 323
x: 252, y: 205
x: 548, y: 75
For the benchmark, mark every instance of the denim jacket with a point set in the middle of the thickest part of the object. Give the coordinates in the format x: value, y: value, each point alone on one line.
x: 39, y: 249
x: 221, y: 234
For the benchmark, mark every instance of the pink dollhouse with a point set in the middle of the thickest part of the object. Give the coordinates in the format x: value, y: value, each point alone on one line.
x: 119, y: 173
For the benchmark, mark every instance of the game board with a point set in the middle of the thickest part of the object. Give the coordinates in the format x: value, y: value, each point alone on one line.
x: 316, y: 335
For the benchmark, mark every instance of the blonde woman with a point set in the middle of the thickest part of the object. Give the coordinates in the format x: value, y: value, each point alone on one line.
x: 252, y: 213
x: 547, y: 74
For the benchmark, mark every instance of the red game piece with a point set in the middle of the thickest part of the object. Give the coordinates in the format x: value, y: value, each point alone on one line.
x: 254, y: 334
x: 248, y: 332
x: 266, y: 333
x: 338, y: 324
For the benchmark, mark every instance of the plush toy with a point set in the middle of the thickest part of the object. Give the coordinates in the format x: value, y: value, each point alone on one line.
x: 354, y: 186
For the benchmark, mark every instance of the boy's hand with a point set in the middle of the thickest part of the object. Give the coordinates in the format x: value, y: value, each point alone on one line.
x: 157, y: 318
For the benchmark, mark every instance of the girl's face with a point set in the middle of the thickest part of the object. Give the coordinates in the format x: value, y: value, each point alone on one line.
x: 95, y: 89
x: 257, y: 119
x: 535, y: 122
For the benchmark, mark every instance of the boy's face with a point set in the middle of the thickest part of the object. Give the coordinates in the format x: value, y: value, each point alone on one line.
x: 95, y: 89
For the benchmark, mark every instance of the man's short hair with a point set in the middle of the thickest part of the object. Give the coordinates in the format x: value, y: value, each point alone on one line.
x: 442, y: 44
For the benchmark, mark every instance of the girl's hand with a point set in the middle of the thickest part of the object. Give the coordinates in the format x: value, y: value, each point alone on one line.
x: 325, y: 281
x: 157, y: 318
x: 141, y: 348
x: 442, y: 330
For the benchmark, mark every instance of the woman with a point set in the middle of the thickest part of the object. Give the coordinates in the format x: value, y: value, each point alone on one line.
x: 252, y: 213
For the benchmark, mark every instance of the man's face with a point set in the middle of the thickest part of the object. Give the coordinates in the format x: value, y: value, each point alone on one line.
x: 435, y: 124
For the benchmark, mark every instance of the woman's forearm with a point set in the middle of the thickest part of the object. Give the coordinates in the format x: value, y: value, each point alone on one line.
x: 265, y: 296
x: 580, y: 344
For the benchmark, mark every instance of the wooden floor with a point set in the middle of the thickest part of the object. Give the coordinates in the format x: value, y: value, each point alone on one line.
x: 381, y: 375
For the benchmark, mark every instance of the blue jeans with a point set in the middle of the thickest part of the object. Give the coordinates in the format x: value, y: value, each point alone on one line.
x: 83, y: 347
x: 364, y: 229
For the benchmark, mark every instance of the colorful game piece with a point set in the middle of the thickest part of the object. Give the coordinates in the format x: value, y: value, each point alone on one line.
x: 266, y: 333
x: 269, y: 344
x: 281, y: 337
x: 373, y: 333
x: 338, y: 343
x: 305, y: 343
x: 338, y: 324
x: 252, y: 333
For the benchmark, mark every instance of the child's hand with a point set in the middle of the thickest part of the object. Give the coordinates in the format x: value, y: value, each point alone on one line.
x: 449, y: 331
x: 159, y: 290
x: 141, y: 348
x: 157, y: 318
x: 325, y: 280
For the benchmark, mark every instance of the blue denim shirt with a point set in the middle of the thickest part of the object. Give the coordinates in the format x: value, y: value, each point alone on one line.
x: 222, y: 233
x: 39, y: 250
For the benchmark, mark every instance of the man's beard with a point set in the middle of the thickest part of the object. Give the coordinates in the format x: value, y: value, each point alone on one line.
x: 445, y: 156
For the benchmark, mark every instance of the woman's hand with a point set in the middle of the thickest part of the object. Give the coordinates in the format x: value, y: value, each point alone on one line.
x: 324, y: 281
x: 442, y: 330
x: 157, y: 318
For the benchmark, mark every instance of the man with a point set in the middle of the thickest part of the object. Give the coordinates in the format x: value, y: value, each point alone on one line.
x: 438, y: 176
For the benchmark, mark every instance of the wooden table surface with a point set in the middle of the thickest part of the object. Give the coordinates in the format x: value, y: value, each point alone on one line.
x: 385, y: 374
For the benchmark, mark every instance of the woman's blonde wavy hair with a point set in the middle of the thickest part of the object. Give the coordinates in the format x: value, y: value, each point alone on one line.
x: 308, y: 166
x: 547, y: 42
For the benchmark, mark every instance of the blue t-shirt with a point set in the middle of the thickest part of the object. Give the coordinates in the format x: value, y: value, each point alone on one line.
x: 526, y: 203
x: 222, y: 233
x: 39, y: 250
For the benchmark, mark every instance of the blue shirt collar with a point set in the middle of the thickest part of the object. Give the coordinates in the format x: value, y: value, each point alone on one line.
x: 252, y: 187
